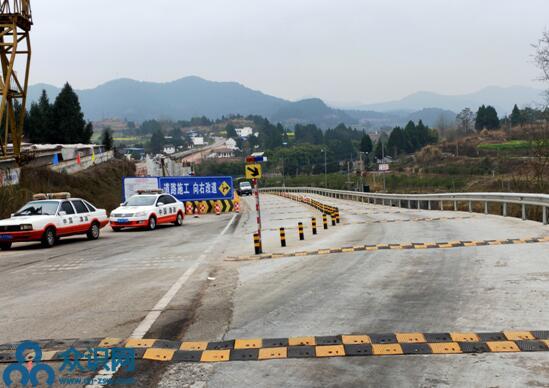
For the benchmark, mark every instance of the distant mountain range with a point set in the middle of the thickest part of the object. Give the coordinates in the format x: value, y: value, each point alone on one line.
x: 503, y: 99
x: 193, y: 96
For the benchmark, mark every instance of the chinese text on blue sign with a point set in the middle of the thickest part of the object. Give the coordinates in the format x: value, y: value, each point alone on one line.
x: 198, y: 188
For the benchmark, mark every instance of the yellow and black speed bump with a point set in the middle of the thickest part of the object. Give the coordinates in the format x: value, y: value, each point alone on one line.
x: 297, y: 347
x: 398, y: 246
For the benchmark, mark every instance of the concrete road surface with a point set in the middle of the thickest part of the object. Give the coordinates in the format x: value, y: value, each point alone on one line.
x: 175, y: 283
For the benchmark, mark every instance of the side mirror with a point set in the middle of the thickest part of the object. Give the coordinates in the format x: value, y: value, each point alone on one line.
x: 160, y: 204
x: 62, y: 213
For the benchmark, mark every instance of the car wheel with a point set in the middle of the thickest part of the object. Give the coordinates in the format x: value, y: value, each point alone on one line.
x: 179, y: 219
x: 93, y: 232
x: 49, y: 238
x: 116, y: 229
x: 152, y: 223
x: 5, y: 246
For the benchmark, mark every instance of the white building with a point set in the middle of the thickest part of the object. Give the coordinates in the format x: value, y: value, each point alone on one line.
x: 231, y: 144
x: 169, y: 149
x: 198, y: 140
x: 222, y: 153
x: 244, y: 132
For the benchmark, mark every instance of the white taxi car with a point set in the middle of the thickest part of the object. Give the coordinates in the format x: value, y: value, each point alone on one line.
x: 49, y: 217
x: 147, y: 209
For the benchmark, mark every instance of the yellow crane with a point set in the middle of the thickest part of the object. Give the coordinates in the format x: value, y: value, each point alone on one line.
x: 15, y: 53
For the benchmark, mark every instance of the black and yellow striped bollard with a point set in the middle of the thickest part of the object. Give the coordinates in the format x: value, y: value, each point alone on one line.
x: 313, y: 225
x: 301, y: 233
x: 257, y: 244
x: 325, y: 221
x: 333, y: 217
x: 337, y: 215
x: 282, y: 237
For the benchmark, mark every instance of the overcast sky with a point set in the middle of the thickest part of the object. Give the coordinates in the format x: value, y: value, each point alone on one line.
x: 344, y: 51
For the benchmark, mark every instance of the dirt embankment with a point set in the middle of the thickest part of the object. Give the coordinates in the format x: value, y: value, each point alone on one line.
x: 101, y: 185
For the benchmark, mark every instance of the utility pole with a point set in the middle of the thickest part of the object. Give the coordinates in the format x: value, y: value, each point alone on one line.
x: 283, y: 174
x: 325, y: 169
x: 383, y: 160
x: 362, y: 170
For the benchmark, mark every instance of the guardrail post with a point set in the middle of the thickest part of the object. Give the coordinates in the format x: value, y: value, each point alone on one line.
x: 544, y: 215
x: 455, y: 206
x: 523, y: 212
x: 470, y: 206
x: 504, y: 210
x: 300, y: 229
x: 485, y: 207
x: 409, y: 204
x: 418, y: 204
x: 282, y: 237
x: 257, y: 244
x: 399, y: 203
x: 429, y: 205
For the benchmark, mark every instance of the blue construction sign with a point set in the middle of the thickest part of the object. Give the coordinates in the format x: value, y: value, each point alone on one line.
x: 201, y: 188
x: 184, y: 188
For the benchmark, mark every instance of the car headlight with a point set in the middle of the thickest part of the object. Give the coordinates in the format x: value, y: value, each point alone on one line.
x: 141, y: 214
x: 25, y: 227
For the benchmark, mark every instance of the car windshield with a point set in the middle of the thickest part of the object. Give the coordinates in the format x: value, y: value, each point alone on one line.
x: 245, y: 185
x: 38, y: 208
x: 141, y: 200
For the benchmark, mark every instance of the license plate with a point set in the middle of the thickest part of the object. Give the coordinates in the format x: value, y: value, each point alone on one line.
x: 6, y: 237
x: 122, y: 220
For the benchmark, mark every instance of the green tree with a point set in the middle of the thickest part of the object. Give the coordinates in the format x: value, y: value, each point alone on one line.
x: 492, y: 119
x: 516, y: 116
x: 230, y: 130
x: 379, y: 150
x: 68, y: 120
x: 412, y: 136
x: 487, y: 118
x: 156, y: 144
x: 149, y: 126
x: 88, y: 133
x: 480, y: 121
x: 106, y: 139
x: 340, y: 141
x: 398, y: 142
x: 308, y: 134
x: 40, y: 120
x: 366, y: 144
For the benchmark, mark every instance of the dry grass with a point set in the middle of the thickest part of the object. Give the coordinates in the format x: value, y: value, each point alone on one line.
x: 101, y: 185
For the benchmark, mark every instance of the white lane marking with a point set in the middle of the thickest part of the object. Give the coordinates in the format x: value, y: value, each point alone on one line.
x: 106, y: 374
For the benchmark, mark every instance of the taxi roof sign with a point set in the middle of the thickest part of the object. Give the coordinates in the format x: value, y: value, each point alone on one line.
x: 41, y: 196
x: 150, y: 191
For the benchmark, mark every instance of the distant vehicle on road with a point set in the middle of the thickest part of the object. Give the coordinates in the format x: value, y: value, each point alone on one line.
x: 244, y: 188
x: 49, y: 217
x: 147, y: 209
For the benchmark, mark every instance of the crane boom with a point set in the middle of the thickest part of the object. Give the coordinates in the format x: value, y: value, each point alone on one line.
x: 15, y: 53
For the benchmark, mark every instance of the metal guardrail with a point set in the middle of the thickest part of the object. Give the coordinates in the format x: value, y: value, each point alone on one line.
x: 426, y: 201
